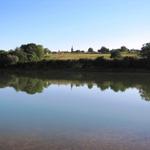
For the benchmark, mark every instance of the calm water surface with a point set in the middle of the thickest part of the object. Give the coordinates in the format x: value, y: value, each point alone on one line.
x: 102, y: 112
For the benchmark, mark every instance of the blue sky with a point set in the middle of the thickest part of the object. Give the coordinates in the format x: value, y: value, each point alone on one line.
x: 59, y: 24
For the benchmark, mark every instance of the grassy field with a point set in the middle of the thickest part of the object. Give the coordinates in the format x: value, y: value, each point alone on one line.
x: 74, y: 56
x: 77, y: 56
x: 125, y: 54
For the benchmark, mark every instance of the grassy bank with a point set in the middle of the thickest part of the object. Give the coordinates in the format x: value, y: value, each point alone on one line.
x: 77, y: 56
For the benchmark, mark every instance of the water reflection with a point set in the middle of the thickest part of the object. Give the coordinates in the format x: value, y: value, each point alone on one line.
x: 33, y: 83
x: 74, y: 111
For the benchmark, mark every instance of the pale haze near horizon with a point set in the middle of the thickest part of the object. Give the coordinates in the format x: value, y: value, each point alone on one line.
x: 60, y: 24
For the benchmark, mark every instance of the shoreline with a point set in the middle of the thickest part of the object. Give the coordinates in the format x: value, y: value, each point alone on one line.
x: 128, y: 65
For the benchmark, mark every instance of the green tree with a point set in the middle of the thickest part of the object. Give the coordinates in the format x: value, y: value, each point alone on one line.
x: 7, y: 59
x: 22, y: 56
x: 39, y: 50
x: 124, y: 49
x: 146, y: 51
x: 115, y: 54
x: 103, y: 50
x: 90, y: 50
x: 32, y: 51
x: 47, y: 51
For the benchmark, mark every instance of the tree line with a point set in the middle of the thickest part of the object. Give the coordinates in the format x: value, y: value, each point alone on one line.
x: 31, y: 52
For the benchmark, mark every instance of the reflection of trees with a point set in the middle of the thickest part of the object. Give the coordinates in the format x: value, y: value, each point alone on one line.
x: 90, y: 85
x: 118, y: 86
x: 28, y: 85
x: 145, y: 93
x: 35, y: 83
x: 143, y: 87
x: 104, y: 85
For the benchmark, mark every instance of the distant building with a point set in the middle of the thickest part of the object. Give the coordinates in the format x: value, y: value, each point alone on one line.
x: 72, y: 49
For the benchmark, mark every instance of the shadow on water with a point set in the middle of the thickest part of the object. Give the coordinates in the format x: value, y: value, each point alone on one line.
x: 36, y: 82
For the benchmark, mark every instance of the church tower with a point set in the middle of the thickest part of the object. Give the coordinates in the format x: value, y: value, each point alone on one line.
x: 72, y: 49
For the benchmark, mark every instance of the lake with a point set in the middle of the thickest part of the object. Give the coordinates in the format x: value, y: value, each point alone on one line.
x: 74, y: 111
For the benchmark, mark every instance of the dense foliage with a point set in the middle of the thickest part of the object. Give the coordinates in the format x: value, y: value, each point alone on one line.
x: 115, y: 54
x: 33, y: 56
x: 104, y: 50
x: 25, y: 53
x: 146, y: 50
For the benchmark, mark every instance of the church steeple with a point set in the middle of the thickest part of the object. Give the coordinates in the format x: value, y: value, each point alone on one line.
x: 72, y: 49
